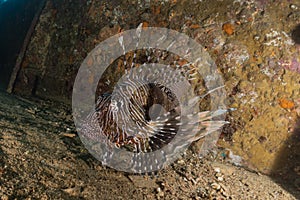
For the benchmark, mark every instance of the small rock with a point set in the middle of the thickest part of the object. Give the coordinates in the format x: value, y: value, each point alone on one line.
x: 189, y: 177
x: 218, y: 174
x: 224, y: 194
x: 217, y: 169
x: 160, y: 193
x: 216, y: 186
x: 202, y: 192
x: 72, y: 191
x: 262, y: 139
x: 181, y: 162
x: 256, y: 37
x: 70, y: 135
x: 224, y: 188
x: 293, y: 7
x: 226, y: 170
x: 194, y: 181
x: 158, y: 190
x: 244, y: 181
x: 4, y: 197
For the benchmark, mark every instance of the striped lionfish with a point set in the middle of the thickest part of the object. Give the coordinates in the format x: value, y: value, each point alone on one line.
x: 144, y: 115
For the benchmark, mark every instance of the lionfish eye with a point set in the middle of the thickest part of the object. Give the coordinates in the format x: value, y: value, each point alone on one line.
x: 119, y: 104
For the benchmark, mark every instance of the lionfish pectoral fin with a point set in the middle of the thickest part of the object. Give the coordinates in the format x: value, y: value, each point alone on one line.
x: 205, y: 122
x: 208, y: 115
x: 208, y: 128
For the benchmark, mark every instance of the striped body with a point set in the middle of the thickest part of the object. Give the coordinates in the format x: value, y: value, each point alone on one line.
x: 144, y: 126
x: 149, y: 119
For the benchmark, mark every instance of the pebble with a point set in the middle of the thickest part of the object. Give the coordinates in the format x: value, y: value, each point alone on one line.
x: 4, y: 197
x: 218, y: 174
x: 202, y: 192
x: 244, y: 181
x: 160, y: 194
x: 216, y: 186
x: 256, y: 37
x: 158, y: 190
x: 181, y: 162
x: 224, y: 194
x: 194, y: 181
x: 72, y: 191
x: 217, y: 169
x: 293, y: 7
x: 189, y: 177
x: 224, y: 188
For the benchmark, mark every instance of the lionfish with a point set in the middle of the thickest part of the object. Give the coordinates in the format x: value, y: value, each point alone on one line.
x: 141, y: 126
